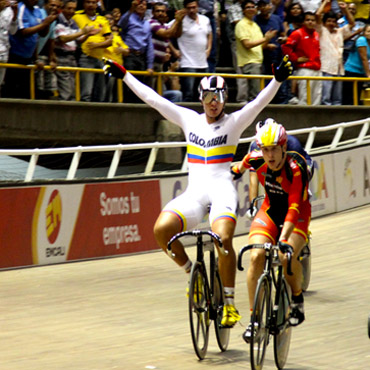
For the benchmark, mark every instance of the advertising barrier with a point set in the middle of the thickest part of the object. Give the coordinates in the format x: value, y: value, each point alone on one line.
x: 58, y: 223
x: 352, y: 169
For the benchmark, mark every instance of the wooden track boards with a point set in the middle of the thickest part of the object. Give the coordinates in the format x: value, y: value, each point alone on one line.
x: 131, y: 312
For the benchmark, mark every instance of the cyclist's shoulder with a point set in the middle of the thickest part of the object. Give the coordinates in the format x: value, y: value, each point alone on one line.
x: 253, y: 146
x: 294, y: 157
x: 254, y: 159
x: 297, y: 166
x: 256, y: 154
x: 293, y: 143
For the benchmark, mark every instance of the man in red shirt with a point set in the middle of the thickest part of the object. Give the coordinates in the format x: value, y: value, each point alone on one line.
x: 284, y: 216
x: 303, y: 48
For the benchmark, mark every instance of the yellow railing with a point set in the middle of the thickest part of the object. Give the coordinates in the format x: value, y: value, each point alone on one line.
x: 160, y: 75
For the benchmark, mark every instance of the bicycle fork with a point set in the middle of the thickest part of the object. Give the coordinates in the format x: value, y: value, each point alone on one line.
x: 278, y: 320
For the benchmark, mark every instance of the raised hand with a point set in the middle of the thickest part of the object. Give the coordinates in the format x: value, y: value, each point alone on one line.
x: 284, y: 70
x: 113, y: 69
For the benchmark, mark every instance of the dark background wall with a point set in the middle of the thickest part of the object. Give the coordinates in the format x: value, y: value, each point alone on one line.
x: 41, y: 124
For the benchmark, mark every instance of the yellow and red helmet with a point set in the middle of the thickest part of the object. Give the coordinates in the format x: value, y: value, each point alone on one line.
x: 271, y: 133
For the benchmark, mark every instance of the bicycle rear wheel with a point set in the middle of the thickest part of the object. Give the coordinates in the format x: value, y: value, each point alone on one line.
x: 222, y: 334
x: 260, y: 320
x: 305, y: 259
x: 284, y: 331
x: 199, y: 302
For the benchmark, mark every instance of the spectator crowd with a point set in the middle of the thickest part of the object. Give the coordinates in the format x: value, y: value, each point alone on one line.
x: 325, y: 38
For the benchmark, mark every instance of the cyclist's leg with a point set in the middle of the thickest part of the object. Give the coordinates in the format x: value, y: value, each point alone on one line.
x: 225, y: 228
x: 224, y: 202
x: 262, y: 230
x: 180, y: 214
x: 256, y: 264
x: 297, y: 241
x: 297, y: 315
x: 166, y: 226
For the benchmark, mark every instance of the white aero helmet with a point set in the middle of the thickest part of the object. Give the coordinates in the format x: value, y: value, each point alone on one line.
x: 213, y: 87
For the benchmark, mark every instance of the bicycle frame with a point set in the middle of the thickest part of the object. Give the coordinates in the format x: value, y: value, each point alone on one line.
x: 212, y: 292
x: 271, y: 261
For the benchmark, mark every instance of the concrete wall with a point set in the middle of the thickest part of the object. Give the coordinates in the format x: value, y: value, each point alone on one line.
x: 43, y: 124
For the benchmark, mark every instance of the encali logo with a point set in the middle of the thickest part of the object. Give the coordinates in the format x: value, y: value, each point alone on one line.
x: 53, y: 214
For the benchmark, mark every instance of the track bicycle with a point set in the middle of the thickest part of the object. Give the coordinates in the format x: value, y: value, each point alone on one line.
x: 271, y: 308
x: 305, y: 255
x: 206, y: 293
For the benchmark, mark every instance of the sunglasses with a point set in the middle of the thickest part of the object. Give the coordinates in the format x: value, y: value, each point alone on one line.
x: 209, y: 96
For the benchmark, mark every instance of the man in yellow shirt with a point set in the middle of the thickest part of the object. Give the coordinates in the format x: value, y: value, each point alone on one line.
x: 93, y: 84
x: 249, y: 42
x: 117, y: 52
x: 363, y: 9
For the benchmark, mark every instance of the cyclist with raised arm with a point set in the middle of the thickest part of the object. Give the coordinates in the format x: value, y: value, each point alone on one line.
x: 285, y: 214
x: 212, y: 139
x: 293, y: 145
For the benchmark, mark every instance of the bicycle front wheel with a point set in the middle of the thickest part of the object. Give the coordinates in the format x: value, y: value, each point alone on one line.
x: 222, y: 333
x: 284, y: 331
x: 260, y: 320
x: 199, y: 302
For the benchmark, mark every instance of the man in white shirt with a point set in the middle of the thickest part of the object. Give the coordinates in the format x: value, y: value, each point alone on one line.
x: 195, y: 44
x: 8, y: 24
x: 331, y: 51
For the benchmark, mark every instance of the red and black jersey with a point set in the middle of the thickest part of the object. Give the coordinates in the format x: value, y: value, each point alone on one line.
x: 286, y: 189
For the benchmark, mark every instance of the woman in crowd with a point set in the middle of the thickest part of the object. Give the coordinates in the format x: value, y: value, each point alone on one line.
x: 357, y: 65
x: 294, y: 17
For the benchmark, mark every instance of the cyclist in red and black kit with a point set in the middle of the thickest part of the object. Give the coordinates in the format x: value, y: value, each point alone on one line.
x: 285, y: 214
x: 293, y: 145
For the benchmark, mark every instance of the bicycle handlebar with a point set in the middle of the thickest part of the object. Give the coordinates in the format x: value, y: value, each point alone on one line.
x: 199, y: 234
x: 247, y: 248
x: 255, y: 200
x: 288, y: 252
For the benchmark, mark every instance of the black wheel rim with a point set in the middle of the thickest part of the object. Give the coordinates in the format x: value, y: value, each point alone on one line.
x: 199, y: 312
x: 260, y: 334
x: 282, y: 338
x: 222, y: 334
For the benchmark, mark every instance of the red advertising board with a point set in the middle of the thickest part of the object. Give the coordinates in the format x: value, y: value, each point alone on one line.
x: 16, y: 214
x: 115, y: 220
x: 58, y: 223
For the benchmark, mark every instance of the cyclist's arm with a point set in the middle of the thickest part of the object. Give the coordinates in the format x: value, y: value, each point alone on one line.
x: 253, y: 185
x: 286, y: 231
x: 246, y: 115
x: 244, y: 164
x: 253, y: 178
x: 295, y: 199
x: 170, y: 111
x: 295, y: 145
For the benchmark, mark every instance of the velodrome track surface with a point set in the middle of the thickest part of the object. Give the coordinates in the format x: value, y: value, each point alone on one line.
x: 131, y: 312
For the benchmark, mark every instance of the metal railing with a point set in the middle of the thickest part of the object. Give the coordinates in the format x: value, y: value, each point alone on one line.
x: 160, y: 75
x: 336, y: 144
